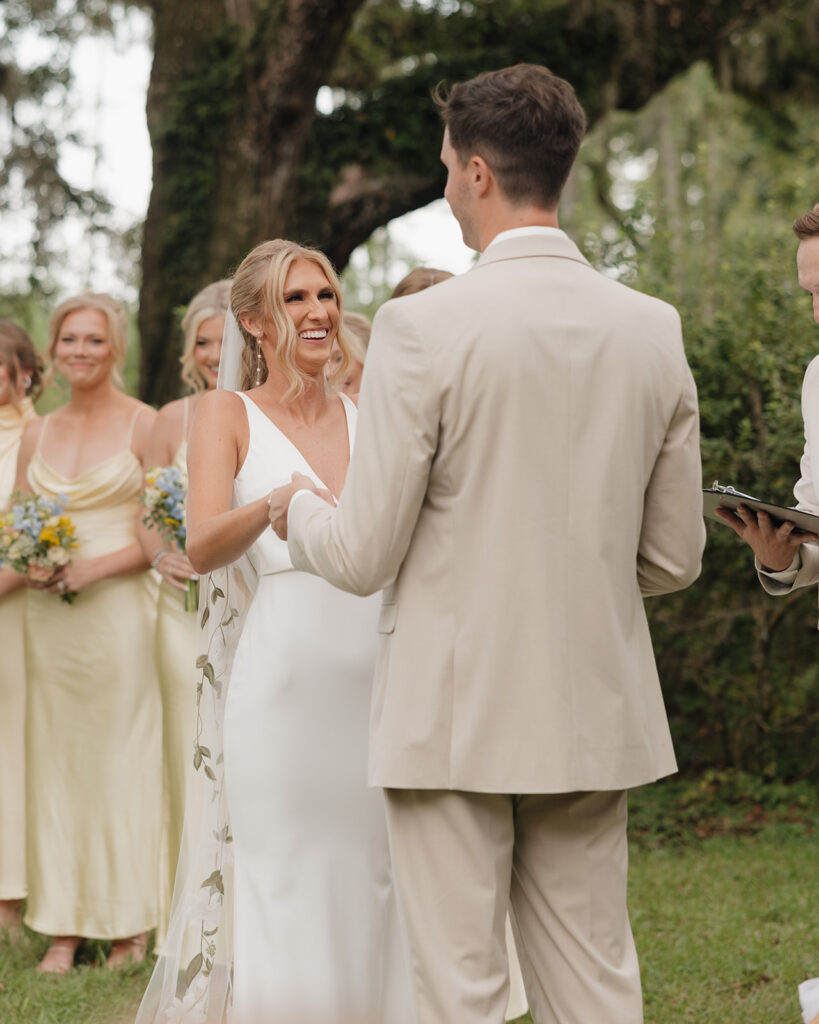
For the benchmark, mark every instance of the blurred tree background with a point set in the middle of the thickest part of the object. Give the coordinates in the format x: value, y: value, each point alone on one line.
x: 704, y: 146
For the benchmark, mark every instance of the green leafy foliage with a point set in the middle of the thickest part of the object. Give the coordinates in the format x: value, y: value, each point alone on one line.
x: 692, y: 200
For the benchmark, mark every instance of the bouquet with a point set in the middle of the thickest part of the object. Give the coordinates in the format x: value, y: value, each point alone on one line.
x: 164, y: 499
x: 36, y: 538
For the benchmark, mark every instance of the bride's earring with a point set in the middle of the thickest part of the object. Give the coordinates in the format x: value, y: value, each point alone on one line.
x: 258, y: 361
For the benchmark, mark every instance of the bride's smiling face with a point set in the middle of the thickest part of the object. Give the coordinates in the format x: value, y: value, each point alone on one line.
x: 312, y: 306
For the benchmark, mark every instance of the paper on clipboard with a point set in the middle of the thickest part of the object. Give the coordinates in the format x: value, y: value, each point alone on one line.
x: 726, y: 497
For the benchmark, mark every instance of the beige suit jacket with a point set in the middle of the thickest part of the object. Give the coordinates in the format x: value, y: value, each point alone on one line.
x: 526, y: 469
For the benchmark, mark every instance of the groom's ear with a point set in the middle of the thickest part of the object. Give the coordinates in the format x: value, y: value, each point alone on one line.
x: 480, y: 175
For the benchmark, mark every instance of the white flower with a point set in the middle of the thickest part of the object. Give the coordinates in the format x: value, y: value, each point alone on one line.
x: 152, y: 496
x: 58, y: 556
x: 22, y: 547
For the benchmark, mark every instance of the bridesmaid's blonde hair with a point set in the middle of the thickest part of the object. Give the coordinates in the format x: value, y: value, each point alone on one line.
x: 116, y: 318
x: 258, y: 289
x: 212, y: 301
x: 358, y: 329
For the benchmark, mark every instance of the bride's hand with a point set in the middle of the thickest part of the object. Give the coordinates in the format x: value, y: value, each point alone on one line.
x: 278, y: 502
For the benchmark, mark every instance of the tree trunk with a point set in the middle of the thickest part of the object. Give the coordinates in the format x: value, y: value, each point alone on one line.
x: 230, y: 105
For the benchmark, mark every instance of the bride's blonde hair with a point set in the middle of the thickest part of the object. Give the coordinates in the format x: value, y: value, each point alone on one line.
x: 258, y: 289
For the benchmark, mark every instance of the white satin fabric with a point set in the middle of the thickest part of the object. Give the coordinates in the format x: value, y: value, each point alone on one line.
x: 316, y: 931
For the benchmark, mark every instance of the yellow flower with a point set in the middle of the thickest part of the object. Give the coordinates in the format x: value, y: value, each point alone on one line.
x: 48, y: 535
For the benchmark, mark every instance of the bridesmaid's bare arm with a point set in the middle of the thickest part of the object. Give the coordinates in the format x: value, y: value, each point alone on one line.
x: 28, y: 445
x: 217, y: 533
x: 10, y: 581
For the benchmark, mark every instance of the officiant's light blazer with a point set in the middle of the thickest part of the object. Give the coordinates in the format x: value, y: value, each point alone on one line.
x: 526, y: 470
x: 806, y: 573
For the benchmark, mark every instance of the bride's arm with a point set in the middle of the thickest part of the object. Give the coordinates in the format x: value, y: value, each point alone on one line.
x: 217, y: 533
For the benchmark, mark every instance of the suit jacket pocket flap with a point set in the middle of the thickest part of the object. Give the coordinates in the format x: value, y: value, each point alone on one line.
x: 386, y: 617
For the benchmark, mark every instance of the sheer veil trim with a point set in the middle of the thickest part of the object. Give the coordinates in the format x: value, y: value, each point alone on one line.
x: 193, y: 978
x: 230, y: 361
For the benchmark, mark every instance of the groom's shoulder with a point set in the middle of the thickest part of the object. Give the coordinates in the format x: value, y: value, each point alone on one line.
x: 423, y: 304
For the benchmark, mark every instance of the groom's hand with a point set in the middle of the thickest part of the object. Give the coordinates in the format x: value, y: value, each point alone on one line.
x: 279, y: 501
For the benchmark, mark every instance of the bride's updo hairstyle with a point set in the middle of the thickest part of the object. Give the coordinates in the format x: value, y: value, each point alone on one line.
x: 21, y: 359
x: 258, y: 290
x: 113, y: 311
x: 212, y: 301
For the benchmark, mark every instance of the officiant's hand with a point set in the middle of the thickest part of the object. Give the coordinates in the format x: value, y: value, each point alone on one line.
x: 774, y: 546
x: 279, y: 501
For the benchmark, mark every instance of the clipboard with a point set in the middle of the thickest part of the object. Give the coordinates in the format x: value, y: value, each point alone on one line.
x: 726, y: 497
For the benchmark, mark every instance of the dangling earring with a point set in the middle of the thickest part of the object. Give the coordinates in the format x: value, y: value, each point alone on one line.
x: 258, y: 361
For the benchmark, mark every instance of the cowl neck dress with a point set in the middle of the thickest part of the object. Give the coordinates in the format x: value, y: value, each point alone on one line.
x: 93, y: 725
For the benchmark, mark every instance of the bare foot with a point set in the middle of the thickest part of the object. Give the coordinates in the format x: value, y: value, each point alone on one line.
x: 59, y: 958
x: 11, y: 918
x: 125, y: 951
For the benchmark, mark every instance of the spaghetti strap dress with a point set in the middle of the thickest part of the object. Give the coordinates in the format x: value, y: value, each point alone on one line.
x: 12, y: 683
x: 93, y: 724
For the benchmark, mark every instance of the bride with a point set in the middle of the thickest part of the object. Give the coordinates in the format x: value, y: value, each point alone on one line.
x: 314, y: 927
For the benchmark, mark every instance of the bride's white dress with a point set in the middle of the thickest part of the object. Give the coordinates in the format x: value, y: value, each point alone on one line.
x: 316, y: 935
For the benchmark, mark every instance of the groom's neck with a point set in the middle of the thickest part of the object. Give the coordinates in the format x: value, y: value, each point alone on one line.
x: 504, y: 216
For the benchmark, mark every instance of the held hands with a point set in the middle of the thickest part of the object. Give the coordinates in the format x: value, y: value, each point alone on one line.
x: 279, y: 501
x: 773, y: 546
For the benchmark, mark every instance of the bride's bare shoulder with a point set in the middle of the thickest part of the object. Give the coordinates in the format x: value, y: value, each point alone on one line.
x: 221, y: 405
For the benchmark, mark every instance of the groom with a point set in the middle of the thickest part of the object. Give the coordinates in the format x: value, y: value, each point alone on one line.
x: 526, y: 470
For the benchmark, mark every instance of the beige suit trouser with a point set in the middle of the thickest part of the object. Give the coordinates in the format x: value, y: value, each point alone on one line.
x: 561, y: 860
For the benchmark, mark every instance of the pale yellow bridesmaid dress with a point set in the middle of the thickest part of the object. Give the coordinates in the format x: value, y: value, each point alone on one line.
x: 93, y: 727
x: 12, y: 683
x: 177, y: 647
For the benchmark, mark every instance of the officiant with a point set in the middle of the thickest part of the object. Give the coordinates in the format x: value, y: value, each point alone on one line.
x: 786, y: 559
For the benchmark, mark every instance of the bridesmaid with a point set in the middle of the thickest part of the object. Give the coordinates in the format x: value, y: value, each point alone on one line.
x: 357, y: 328
x: 20, y: 381
x: 177, y: 635
x: 93, y: 713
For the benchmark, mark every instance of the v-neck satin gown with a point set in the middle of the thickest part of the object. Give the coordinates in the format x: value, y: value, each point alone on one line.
x: 316, y: 936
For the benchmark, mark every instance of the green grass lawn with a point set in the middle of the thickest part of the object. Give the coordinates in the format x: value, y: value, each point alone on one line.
x: 726, y: 928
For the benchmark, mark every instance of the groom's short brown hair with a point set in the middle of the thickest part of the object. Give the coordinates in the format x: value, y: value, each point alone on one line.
x: 525, y: 122
x: 807, y: 226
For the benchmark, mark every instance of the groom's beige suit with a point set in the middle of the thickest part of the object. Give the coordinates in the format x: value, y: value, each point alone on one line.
x: 526, y: 471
